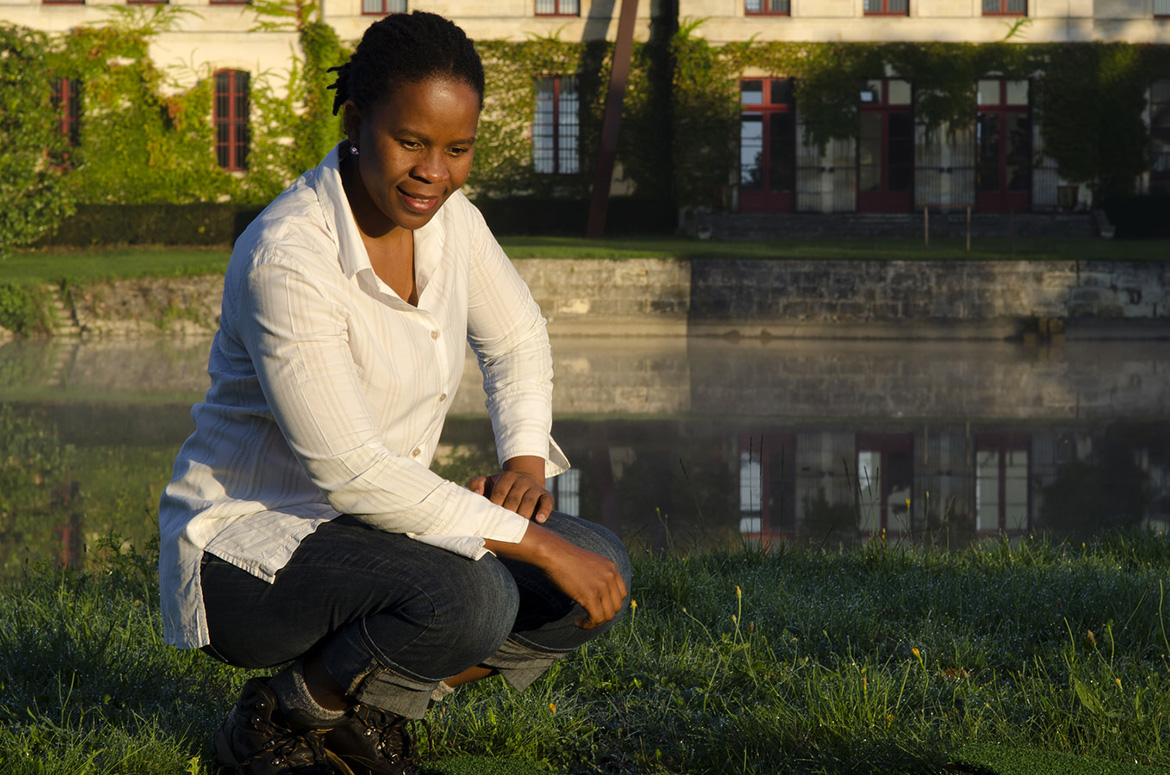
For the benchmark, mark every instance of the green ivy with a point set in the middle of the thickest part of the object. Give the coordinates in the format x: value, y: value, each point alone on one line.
x: 1092, y: 96
x: 35, y: 196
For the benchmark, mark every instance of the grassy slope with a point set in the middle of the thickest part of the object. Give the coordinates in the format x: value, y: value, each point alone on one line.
x: 873, y: 659
x: 104, y: 263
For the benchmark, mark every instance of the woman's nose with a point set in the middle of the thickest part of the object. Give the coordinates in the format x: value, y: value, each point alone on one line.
x: 432, y: 168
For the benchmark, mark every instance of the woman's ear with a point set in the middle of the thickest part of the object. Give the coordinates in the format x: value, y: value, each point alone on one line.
x: 351, y: 120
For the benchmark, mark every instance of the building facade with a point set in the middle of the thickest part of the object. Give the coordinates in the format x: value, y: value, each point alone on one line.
x: 895, y: 156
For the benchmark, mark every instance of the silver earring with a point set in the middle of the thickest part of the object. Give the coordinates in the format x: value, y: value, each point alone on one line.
x: 353, y: 149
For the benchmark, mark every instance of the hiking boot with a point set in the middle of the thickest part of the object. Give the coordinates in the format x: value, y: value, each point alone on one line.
x: 371, y: 741
x: 256, y: 739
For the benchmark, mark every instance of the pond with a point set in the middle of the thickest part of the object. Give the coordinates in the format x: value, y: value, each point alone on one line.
x: 676, y: 442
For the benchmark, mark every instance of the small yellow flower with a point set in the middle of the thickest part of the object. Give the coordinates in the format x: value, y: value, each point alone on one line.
x: 914, y: 651
x: 1118, y: 682
x: 633, y: 604
x: 738, y: 592
x: 553, y: 707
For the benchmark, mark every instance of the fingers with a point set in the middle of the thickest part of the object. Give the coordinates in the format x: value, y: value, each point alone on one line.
x: 518, y: 493
x: 608, y: 602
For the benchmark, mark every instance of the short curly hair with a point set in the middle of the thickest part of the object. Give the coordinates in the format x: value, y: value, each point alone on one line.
x: 406, y: 48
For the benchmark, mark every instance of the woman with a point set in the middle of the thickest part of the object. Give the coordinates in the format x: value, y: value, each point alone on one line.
x: 302, y: 524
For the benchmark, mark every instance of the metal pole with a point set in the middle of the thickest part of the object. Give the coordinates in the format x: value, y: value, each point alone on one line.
x: 607, y: 153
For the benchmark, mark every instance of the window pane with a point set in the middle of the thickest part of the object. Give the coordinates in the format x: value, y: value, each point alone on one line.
x: 899, y: 6
x: 988, y: 93
x: 782, y: 92
x: 1016, y: 6
x: 1018, y: 157
x: 873, y: 6
x: 751, y: 92
x: 542, y: 128
x: 1162, y: 7
x: 750, y: 483
x: 783, y: 152
x: 568, y: 130
x: 987, y: 490
x: 396, y: 6
x: 570, y: 7
x: 991, y: 6
x: 1017, y: 92
x: 987, y: 147
x: 546, y: 6
x: 751, y: 151
x: 754, y: 6
x: 371, y: 6
x: 780, y: 6
x: 900, y: 92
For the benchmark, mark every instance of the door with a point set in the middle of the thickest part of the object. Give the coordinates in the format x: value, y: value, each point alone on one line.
x: 1003, y: 147
x: 885, y: 152
x: 767, y: 146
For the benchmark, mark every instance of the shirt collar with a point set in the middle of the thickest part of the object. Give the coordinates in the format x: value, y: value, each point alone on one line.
x: 428, y: 241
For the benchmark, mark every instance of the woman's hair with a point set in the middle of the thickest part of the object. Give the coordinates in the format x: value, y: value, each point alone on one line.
x: 406, y: 48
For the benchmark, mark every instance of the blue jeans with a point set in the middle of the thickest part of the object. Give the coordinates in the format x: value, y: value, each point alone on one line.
x: 392, y: 617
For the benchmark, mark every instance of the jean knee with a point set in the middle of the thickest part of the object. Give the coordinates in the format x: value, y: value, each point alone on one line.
x: 486, y: 608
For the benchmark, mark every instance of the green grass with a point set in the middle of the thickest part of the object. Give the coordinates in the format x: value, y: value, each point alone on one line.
x: 83, y: 265
x: 875, y: 659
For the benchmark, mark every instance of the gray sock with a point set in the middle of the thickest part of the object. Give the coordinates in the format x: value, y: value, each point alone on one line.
x: 296, y: 703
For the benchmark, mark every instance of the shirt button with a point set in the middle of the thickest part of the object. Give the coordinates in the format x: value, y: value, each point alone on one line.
x: 442, y: 396
x: 416, y: 452
x: 434, y: 335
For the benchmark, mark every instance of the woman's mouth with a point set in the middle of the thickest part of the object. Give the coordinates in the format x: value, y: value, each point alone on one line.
x: 418, y: 203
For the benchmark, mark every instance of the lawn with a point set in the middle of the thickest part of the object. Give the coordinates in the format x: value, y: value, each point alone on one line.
x: 80, y: 265
x: 879, y: 658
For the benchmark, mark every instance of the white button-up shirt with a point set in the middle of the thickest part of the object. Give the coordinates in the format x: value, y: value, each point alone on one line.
x: 328, y: 393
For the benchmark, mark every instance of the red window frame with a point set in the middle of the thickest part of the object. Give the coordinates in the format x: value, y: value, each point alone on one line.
x: 775, y: 157
x: 230, y: 2
x: 559, y: 125
x: 891, y: 125
x: 62, y: 2
x: 385, y: 7
x: 1000, y: 8
x: 557, y: 8
x: 884, y: 8
x: 148, y: 2
x: 66, y: 101
x: 767, y: 7
x: 231, y: 107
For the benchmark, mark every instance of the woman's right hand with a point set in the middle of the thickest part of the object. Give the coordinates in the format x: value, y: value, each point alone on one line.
x: 591, y: 580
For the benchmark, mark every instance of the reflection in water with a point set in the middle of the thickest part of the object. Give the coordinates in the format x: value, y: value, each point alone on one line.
x: 678, y: 442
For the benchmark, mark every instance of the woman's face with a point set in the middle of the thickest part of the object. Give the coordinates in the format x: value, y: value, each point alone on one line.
x: 415, y: 149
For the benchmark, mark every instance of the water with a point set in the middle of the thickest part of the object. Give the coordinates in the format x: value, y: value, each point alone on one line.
x: 675, y: 442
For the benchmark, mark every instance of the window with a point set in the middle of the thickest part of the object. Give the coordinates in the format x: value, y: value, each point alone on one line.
x: 558, y: 8
x: 1160, y: 134
x: 1162, y: 8
x: 767, y: 7
x: 767, y: 145
x: 1005, y: 7
x: 885, y: 158
x: 1003, y: 147
x: 887, y: 7
x: 383, y: 7
x: 1001, y: 483
x: 556, y: 127
x: 66, y: 102
x: 232, y: 138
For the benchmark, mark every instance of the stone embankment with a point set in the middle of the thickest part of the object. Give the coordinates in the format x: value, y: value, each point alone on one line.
x: 786, y: 299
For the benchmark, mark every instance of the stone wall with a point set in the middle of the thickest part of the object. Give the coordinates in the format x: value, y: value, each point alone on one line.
x: 754, y: 298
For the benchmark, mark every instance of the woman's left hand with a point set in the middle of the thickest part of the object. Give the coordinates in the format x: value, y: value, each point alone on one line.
x: 516, y: 492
